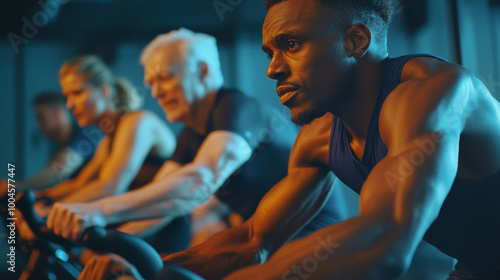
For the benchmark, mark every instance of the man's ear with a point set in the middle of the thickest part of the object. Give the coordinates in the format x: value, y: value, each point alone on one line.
x: 358, y: 40
x: 202, y: 70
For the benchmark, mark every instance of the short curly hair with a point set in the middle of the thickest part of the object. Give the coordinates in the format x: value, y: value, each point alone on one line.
x: 50, y: 98
x: 377, y: 14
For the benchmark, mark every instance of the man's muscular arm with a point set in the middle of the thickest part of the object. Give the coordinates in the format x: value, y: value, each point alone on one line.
x: 287, y: 207
x: 420, y: 122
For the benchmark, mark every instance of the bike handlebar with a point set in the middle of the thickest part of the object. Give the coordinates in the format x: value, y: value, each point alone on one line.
x: 135, y: 250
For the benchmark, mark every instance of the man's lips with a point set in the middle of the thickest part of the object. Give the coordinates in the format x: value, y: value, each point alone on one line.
x: 168, y: 103
x: 286, y: 93
x: 281, y: 90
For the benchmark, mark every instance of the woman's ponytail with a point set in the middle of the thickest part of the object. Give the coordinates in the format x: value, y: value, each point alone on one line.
x: 126, y: 96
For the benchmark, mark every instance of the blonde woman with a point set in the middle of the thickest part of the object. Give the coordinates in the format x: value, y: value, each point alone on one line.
x: 135, y: 144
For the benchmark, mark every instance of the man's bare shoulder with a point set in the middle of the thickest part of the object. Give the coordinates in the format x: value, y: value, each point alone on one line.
x: 312, y: 144
x: 430, y: 87
x: 428, y: 67
x: 429, y: 98
x: 441, y: 96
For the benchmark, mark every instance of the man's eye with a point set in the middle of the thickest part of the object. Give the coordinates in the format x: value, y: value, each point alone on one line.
x: 270, y: 55
x: 292, y: 44
x: 161, y: 78
x: 165, y: 76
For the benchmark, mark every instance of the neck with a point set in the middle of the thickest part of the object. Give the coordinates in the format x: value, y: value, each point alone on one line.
x: 356, y: 114
x: 201, y: 113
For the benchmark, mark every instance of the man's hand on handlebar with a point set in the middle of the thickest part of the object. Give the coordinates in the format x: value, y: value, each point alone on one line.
x: 71, y: 220
x: 109, y: 266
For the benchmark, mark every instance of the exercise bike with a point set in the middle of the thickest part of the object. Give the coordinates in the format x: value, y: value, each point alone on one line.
x: 50, y: 259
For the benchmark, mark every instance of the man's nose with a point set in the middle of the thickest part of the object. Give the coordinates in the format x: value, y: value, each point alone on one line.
x: 155, y: 91
x: 277, y: 68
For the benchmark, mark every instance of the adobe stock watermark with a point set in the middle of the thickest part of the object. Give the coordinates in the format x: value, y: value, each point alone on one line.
x: 74, y: 156
x: 49, y: 10
x: 223, y: 6
x: 408, y: 164
x: 322, y: 252
x: 426, y: 147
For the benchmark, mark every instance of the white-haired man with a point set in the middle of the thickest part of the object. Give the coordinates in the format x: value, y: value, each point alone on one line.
x: 233, y: 146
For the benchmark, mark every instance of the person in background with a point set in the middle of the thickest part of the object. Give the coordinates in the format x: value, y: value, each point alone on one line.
x: 74, y: 146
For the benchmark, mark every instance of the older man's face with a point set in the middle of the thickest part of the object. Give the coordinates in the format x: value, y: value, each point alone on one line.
x: 172, y: 82
x: 307, y: 58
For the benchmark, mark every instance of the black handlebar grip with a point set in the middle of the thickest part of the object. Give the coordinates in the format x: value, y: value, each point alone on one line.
x: 135, y: 250
x: 24, y: 202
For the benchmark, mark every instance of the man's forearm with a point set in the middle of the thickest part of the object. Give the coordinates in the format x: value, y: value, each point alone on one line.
x: 220, y: 155
x: 221, y: 254
x: 174, y: 197
x: 359, y: 248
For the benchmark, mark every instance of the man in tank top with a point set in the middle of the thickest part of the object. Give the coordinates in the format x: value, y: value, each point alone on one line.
x: 415, y: 136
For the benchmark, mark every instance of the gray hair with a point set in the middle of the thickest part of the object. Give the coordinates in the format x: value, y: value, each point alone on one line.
x: 197, y: 47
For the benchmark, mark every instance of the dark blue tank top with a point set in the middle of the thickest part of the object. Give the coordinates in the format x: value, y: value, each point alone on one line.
x: 468, y: 225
